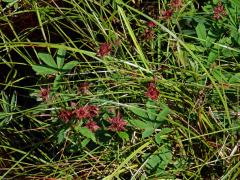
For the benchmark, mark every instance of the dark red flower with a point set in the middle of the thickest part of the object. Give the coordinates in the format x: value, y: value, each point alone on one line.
x: 92, y: 126
x: 219, y: 11
x: 148, y: 34
x: 176, y: 3
x: 65, y: 115
x: 84, y: 88
x: 117, y: 124
x: 152, y: 92
x: 151, y: 24
x: 81, y: 113
x: 44, y: 93
x: 167, y: 14
x: 104, y: 49
x: 92, y: 111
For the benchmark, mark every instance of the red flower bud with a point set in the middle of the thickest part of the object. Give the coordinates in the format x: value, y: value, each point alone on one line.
x: 44, y: 93
x: 104, y: 49
x: 151, y: 24
x: 152, y: 92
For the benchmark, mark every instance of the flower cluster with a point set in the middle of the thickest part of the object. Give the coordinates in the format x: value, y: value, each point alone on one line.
x: 148, y: 34
x: 219, y: 12
x: 152, y: 91
x: 92, y: 126
x: 167, y: 14
x: 176, y: 4
x: 151, y: 24
x: 117, y: 123
x: 87, y: 113
x: 105, y: 49
x: 44, y: 93
x: 65, y: 115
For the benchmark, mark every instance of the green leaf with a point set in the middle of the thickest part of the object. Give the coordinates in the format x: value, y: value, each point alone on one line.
x: 148, y: 132
x: 123, y: 135
x: 138, y: 111
x: 13, y: 101
x: 162, y: 115
x: 163, y: 134
x: 43, y: 70
x: 87, y: 133
x: 201, y: 33
x: 56, y: 83
x: 218, y: 75
x: 85, y: 142
x: 153, y: 161
x: 166, y: 155
x: 61, y: 136
x: 159, y: 160
x: 139, y: 124
x: 194, y: 47
x: 5, y: 102
x: 47, y: 59
x: 235, y: 78
x: 60, y: 57
x: 151, y: 110
x: 70, y: 65
x: 212, y: 56
x: 3, y: 115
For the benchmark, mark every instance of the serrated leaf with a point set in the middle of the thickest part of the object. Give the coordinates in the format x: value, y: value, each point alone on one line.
x: 162, y: 115
x: 235, y: 78
x: 60, y: 57
x: 148, y: 132
x: 138, y: 111
x: 43, y: 70
x: 153, y: 161
x: 212, y: 56
x: 165, y: 154
x: 165, y: 131
x: 87, y: 133
x: 201, y: 32
x: 160, y: 160
x: 162, y: 135
x: 139, y: 124
x: 47, y: 59
x: 218, y: 75
x: 68, y: 66
x: 195, y: 47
